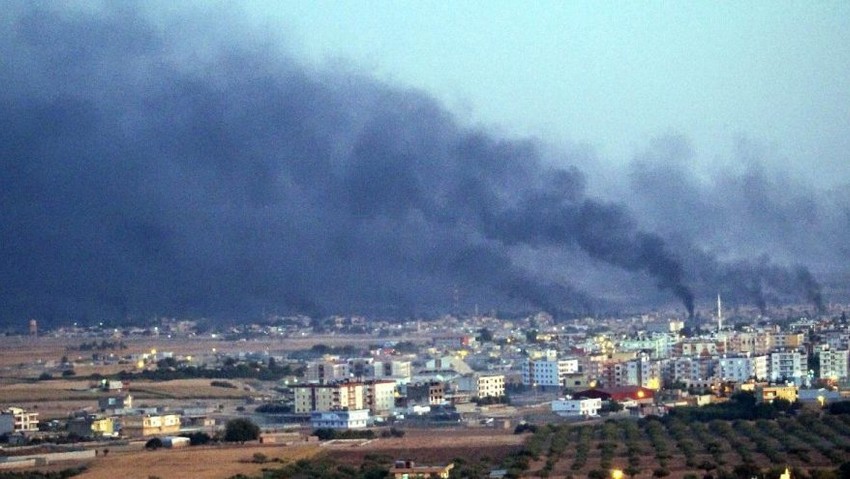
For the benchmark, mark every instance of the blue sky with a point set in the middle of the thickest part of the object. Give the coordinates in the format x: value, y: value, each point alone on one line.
x: 608, y: 75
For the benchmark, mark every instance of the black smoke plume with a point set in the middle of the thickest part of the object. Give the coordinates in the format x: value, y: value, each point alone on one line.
x: 142, y: 174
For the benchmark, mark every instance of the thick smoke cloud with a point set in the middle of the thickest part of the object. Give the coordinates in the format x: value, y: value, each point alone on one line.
x: 140, y: 178
x: 745, y: 231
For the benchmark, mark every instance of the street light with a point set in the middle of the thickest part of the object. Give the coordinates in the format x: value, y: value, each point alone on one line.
x: 616, y: 474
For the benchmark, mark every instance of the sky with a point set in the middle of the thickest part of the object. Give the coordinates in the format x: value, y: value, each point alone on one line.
x: 235, y: 160
x: 609, y: 75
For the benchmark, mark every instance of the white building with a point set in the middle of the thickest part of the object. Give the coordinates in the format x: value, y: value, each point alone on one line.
x: 834, y: 363
x: 326, y: 371
x: 742, y: 368
x: 787, y: 366
x: 548, y: 372
x: 341, y: 419
x: 23, y: 420
x: 569, y: 407
x: 380, y: 396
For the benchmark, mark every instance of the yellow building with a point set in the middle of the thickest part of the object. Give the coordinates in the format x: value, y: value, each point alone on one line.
x: 409, y: 470
x: 769, y: 393
x: 328, y: 397
x: 150, y: 425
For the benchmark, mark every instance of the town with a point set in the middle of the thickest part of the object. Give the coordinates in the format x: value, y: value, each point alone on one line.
x: 299, y: 381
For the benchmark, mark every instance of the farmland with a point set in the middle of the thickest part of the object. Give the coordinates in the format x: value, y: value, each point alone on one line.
x: 675, y: 448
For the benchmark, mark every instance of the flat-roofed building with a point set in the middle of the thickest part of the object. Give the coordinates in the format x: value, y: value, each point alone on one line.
x: 327, y: 397
x: 150, y: 425
x: 340, y: 419
x: 22, y: 420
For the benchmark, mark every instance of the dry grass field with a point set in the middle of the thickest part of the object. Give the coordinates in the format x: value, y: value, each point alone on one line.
x: 200, y: 462
x: 435, y: 446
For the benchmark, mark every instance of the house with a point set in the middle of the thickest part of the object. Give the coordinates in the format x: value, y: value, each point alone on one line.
x: 569, y: 407
x: 150, y: 425
x: 409, y: 470
x: 340, y: 419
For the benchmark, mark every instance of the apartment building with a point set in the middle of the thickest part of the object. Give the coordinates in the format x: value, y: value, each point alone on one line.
x: 482, y: 385
x: 327, y: 397
x: 548, y: 372
x: 834, y: 363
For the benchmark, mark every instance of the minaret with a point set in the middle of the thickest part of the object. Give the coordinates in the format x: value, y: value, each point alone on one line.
x: 719, y: 314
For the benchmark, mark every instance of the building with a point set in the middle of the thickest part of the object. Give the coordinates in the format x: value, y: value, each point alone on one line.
x: 769, y: 393
x: 91, y: 426
x: 742, y: 368
x: 409, y: 470
x: 454, y: 341
x: 327, y: 397
x: 834, y: 363
x: 380, y: 396
x: 787, y: 366
x: 569, y: 407
x: 7, y: 423
x: 23, y: 421
x: 150, y: 425
x: 115, y: 403
x: 482, y: 385
x: 340, y: 419
x: 431, y: 393
x: 397, y: 370
x: 326, y: 371
x: 548, y: 373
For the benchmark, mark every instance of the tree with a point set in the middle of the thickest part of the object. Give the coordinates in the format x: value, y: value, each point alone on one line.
x: 153, y: 444
x: 241, y: 430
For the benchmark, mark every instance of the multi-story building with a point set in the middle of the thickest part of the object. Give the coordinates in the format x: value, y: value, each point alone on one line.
x: 787, y: 340
x: 836, y: 339
x: 388, y: 369
x: 699, y: 347
x: 752, y: 342
x: 326, y: 371
x: 693, y: 370
x: 431, y: 393
x: 482, y: 385
x: 548, y: 373
x: 652, y: 372
x: 742, y: 368
x: 380, y: 396
x: 834, y: 363
x: 22, y: 420
x: 327, y: 397
x: 787, y: 366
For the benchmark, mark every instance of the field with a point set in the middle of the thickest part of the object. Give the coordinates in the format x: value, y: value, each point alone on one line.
x: 435, y: 446
x: 199, y: 462
x: 674, y: 448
